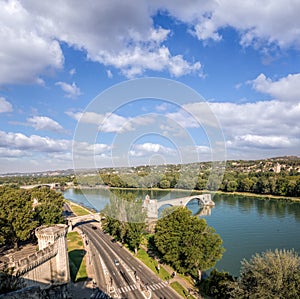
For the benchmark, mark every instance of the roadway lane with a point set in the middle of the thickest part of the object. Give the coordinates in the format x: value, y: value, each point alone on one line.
x: 121, y: 284
x: 130, y: 265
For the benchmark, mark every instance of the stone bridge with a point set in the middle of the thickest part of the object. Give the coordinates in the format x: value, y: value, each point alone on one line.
x: 153, y: 205
x: 73, y: 221
x: 50, y: 185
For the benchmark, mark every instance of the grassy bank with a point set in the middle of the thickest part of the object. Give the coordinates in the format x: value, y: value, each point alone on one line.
x: 77, y: 259
x: 181, y: 290
x: 77, y: 209
x: 261, y: 196
x: 153, y: 265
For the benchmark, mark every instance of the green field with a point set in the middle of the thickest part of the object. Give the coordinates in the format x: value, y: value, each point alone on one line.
x: 77, y: 259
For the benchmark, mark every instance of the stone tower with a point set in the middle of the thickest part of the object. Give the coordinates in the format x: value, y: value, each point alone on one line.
x: 56, y: 235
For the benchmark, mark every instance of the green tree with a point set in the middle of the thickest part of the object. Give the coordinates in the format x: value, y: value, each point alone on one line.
x: 219, y: 285
x: 49, y: 204
x: 21, y: 211
x: 187, y: 242
x: 16, y: 214
x: 164, y: 184
x: 270, y: 275
x: 125, y: 219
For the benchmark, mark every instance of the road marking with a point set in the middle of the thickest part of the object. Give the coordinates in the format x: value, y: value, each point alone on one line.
x: 127, y: 288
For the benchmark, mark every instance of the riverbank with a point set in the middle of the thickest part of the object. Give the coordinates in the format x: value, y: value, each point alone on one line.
x: 249, y: 194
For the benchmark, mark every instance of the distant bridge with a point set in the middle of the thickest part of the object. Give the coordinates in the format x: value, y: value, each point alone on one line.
x: 49, y: 185
x: 153, y: 205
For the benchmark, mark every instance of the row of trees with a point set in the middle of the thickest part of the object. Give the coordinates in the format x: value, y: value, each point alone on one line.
x: 21, y: 211
x: 125, y: 219
x: 260, y: 183
x: 267, y: 275
x: 32, y: 180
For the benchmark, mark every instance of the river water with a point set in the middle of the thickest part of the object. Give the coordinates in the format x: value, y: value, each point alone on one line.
x: 246, y: 224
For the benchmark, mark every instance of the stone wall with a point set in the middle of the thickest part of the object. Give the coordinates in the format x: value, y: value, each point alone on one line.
x: 36, y: 292
x: 50, y: 264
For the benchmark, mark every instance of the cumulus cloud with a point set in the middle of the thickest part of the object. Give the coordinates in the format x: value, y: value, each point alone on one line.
x: 260, y: 24
x: 111, y: 122
x: 261, y: 125
x: 20, y: 144
x: 25, y: 53
x: 135, y: 61
x: 5, y: 106
x: 284, y: 89
x: 71, y: 90
x: 31, y: 32
x: 257, y: 141
x: 45, y: 123
x: 144, y: 149
x: 20, y: 141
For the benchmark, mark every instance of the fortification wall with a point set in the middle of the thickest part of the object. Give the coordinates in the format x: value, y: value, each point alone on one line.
x: 48, y: 265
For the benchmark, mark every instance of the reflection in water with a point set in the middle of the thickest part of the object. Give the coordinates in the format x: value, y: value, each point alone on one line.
x: 246, y: 224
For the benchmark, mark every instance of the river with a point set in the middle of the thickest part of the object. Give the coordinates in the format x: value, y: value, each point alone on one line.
x: 246, y: 224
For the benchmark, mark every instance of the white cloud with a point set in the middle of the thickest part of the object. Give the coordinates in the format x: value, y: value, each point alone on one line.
x: 260, y: 23
x: 24, y: 52
x: 184, y: 119
x: 257, y: 141
x: 72, y: 72
x: 31, y: 31
x: 111, y: 122
x: 285, y: 89
x: 5, y: 106
x: 257, y: 126
x: 19, y: 141
x: 140, y: 150
x: 45, y: 123
x: 10, y: 153
x: 19, y: 145
x: 109, y: 74
x: 71, y: 90
x: 135, y: 61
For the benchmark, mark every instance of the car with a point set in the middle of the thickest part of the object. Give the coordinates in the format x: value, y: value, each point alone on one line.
x: 94, y: 227
x: 117, y: 263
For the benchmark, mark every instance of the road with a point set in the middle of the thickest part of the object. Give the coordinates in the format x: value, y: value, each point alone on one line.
x: 126, y: 278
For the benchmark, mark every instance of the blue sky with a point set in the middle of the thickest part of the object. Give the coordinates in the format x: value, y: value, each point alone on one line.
x: 243, y: 57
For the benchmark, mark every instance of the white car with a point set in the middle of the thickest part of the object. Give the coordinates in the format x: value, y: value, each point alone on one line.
x: 117, y: 263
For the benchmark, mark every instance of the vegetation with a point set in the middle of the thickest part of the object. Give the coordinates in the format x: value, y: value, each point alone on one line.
x: 218, y: 285
x: 187, y: 243
x: 10, y: 282
x: 32, y: 179
x: 181, y: 290
x: 270, y: 275
x: 275, y: 176
x: 21, y: 211
x: 153, y: 264
x: 77, y: 258
x: 125, y: 219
